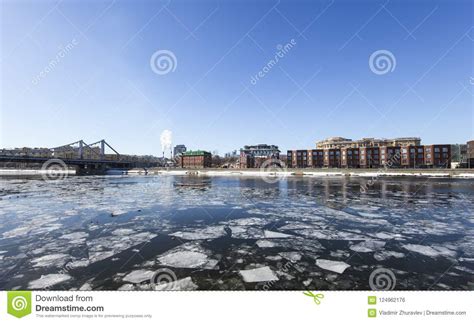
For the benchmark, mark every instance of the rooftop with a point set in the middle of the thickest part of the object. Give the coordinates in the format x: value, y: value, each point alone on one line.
x: 195, y: 153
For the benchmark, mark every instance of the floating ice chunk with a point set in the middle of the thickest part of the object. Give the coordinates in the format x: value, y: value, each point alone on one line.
x: 292, y: 256
x: 71, y: 212
x: 296, y: 226
x: 126, y: 287
x: 187, y: 259
x: 201, y: 234
x: 138, y: 276
x: 371, y: 215
x: 261, y: 274
x: 386, y: 235
x: 265, y: 244
x: 368, y: 246
x: 78, y: 264
x: 182, y: 284
x: 55, y: 260
x: 275, y: 235
x: 247, y: 233
x: 383, y: 255
x: 249, y: 221
x: 75, y: 237
x: 86, y: 286
x: 434, y: 251
x: 98, y: 256
x: 122, y: 232
x: 331, y: 265
x: 48, y: 280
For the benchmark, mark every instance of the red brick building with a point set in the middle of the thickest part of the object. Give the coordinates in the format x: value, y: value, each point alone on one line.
x: 470, y: 154
x: 196, y: 159
x: 390, y: 156
x: 350, y: 158
x: 438, y: 156
x: 410, y: 156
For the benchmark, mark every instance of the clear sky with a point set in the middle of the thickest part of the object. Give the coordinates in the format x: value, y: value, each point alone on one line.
x: 82, y: 70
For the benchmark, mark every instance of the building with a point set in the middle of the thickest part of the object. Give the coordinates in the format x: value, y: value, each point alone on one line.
x: 196, y: 159
x: 438, y: 156
x: 332, y: 157
x: 254, y: 156
x: 413, y: 156
x: 374, y: 153
x: 340, y: 142
x: 178, y: 150
x: 470, y: 154
x: 350, y: 157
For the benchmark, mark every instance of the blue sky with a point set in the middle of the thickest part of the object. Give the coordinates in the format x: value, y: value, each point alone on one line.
x: 81, y: 70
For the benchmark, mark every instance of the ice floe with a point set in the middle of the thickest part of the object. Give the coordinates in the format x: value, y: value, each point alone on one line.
x: 331, y: 265
x: 265, y: 244
x: 138, y: 276
x: 384, y: 255
x: 188, y: 256
x: 48, y: 280
x: 54, y: 260
x: 368, y: 246
x: 275, y: 235
x: 434, y: 251
x: 201, y: 234
x: 261, y: 274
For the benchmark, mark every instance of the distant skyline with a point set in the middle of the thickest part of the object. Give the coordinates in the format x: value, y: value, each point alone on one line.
x: 223, y: 74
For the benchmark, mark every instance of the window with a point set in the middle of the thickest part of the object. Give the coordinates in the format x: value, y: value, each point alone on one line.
x: 436, y: 150
x: 445, y: 149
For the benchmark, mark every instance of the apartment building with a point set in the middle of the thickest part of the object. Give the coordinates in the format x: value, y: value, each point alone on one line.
x: 404, y: 152
x: 340, y: 142
x: 196, y: 159
x: 253, y: 156
x: 350, y: 158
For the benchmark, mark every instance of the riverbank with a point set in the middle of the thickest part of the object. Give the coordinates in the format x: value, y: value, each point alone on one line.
x: 447, y: 173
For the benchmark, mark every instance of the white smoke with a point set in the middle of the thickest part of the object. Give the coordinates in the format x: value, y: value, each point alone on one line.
x: 166, y: 139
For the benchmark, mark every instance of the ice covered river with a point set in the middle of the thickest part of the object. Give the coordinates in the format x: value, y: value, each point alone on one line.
x: 235, y: 233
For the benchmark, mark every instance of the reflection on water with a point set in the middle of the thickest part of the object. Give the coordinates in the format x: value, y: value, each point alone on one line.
x: 235, y: 233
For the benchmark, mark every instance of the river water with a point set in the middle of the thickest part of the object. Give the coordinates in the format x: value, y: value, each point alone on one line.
x: 236, y: 233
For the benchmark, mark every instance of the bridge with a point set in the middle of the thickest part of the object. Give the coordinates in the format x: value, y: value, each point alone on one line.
x: 85, y: 158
